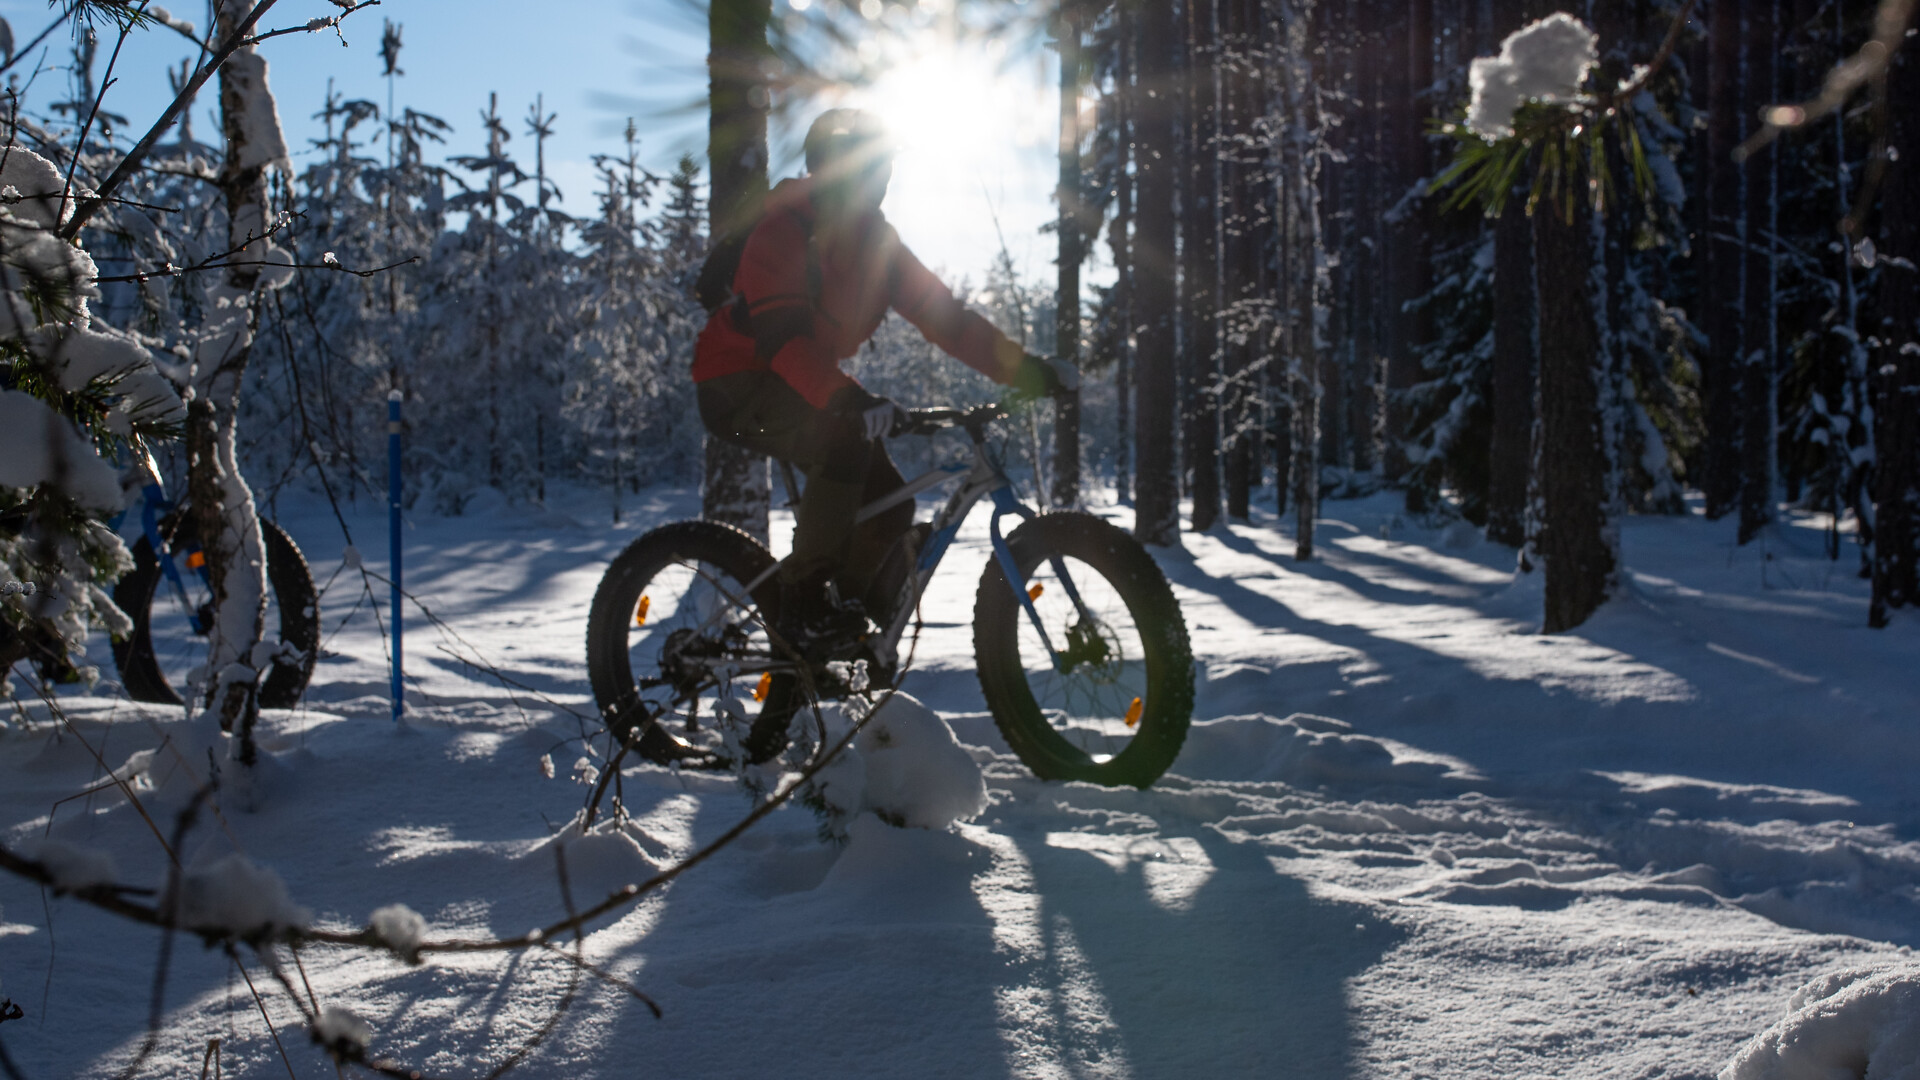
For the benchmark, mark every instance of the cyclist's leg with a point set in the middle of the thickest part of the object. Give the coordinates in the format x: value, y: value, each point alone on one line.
x: 760, y: 411
x: 873, y: 538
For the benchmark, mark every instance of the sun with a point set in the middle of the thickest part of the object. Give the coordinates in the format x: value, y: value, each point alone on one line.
x: 975, y: 135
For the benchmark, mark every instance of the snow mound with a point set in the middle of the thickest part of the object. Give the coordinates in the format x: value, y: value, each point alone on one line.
x: 236, y: 897
x: 599, y: 862
x: 1862, y: 1023
x: 917, y: 773
x: 1299, y: 750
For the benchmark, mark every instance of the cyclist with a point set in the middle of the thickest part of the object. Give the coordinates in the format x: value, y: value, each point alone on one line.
x: 816, y: 277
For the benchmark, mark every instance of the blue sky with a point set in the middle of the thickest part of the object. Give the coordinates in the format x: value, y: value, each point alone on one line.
x: 598, y: 61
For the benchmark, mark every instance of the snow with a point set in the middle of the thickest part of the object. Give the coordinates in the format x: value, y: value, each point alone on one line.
x: 339, y: 1027
x: 399, y: 928
x: 1862, y: 1022
x: 917, y: 773
x: 38, y: 446
x: 1408, y: 836
x: 1544, y: 61
x: 233, y: 896
x: 74, y: 867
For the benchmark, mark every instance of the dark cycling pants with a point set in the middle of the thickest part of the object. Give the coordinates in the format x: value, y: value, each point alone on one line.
x: 844, y: 470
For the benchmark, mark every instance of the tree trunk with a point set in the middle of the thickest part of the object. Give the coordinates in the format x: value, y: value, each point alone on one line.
x: 1510, y: 397
x: 1200, y: 253
x: 1241, y: 206
x: 1066, y: 419
x: 1758, y: 371
x: 1121, y: 240
x: 1368, y: 248
x: 1577, y: 544
x: 1896, y: 550
x: 225, y: 519
x: 1724, y: 265
x: 735, y: 490
x: 1300, y: 225
x: 1410, y: 234
x: 1156, y: 508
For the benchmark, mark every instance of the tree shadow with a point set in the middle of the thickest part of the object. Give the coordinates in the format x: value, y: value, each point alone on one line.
x: 1234, y: 978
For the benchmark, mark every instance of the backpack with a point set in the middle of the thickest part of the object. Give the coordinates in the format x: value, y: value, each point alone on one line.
x: 714, y: 285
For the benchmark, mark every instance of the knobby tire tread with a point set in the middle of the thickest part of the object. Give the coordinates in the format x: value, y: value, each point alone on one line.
x: 1168, y: 654
x: 609, y: 668
x: 289, y: 579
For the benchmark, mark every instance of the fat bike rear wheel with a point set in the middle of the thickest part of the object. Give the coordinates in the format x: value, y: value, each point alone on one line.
x: 1110, y: 702
x: 169, y: 636
x: 678, y: 651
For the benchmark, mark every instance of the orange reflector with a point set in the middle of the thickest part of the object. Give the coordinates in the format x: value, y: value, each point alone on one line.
x: 196, y: 559
x: 760, y: 691
x: 1034, y: 593
x: 640, y: 611
x: 1133, y: 713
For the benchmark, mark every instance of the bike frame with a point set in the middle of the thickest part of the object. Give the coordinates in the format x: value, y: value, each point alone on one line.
x: 153, y: 506
x: 982, y: 478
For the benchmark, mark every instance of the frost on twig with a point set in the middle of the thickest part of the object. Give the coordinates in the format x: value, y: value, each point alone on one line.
x: 345, y: 1035
x: 400, y: 928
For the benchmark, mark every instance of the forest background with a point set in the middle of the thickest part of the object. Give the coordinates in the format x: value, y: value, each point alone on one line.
x: 1301, y: 301
x: 1662, y: 287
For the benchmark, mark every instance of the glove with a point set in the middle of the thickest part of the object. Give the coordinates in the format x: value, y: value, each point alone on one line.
x: 1045, y: 376
x: 878, y: 417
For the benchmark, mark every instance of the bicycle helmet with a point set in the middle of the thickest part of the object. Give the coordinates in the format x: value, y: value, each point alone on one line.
x: 846, y: 141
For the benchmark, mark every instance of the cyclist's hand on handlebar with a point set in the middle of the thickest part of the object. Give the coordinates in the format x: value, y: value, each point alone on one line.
x: 1045, y: 376
x: 877, y: 416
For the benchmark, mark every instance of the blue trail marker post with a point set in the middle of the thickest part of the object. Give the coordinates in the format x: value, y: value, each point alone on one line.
x: 393, y: 537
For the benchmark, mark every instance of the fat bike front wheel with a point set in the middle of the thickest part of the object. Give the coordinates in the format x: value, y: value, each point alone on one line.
x: 678, y: 650
x: 1106, y: 695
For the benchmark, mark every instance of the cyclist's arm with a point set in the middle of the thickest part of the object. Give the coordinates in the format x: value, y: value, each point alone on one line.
x: 773, y: 280
x: 924, y: 301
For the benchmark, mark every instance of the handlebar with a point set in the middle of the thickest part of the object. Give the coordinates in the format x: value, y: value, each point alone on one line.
x: 933, y: 421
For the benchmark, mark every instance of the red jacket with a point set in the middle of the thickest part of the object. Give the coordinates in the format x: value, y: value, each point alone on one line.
x: 863, y: 272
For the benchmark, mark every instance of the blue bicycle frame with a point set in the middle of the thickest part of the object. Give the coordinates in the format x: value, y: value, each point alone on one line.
x: 984, y: 478
x: 153, y: 506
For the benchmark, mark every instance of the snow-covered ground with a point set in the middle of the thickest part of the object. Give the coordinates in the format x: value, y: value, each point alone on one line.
x: 1407, y: 837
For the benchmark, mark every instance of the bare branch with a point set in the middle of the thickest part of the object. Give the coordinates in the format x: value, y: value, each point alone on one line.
x: 1660, y: 58
x: 1846, y: 78
x: 315, y: 25
x: 88, y: 206
x: 176, y: 271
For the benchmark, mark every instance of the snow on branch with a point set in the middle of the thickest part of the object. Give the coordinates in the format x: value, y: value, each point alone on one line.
x: 1545, y: 61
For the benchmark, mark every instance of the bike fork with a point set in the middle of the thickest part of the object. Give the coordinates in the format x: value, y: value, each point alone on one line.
x: 1004, y: 503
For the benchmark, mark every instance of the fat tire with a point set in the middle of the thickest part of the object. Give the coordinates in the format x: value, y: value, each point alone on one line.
x: 1167, y: 654
x: 609, y: 667
x: 292, y: 585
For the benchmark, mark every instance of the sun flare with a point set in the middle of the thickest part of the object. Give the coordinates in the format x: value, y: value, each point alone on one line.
x: 967, y: 123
